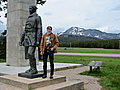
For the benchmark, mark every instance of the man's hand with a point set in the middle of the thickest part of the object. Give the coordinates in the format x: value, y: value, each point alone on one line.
x: 52, y: 49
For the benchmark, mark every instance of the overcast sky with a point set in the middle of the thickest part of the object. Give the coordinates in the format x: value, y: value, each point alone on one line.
x: 97, y: 14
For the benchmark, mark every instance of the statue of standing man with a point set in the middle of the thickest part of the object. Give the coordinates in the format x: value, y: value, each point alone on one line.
x: 31, y: 38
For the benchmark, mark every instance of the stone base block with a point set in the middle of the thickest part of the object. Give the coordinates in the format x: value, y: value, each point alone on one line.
x: 70, y: 85
x: 13, y: 82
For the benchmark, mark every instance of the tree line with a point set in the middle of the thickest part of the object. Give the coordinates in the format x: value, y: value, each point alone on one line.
x: 107, y: 44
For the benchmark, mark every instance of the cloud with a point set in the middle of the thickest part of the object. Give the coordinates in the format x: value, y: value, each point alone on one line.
x: 116, y: 8
x: 81, y: 13
x: 48, y: 14
x: 56, y: 30
x: 62, y: 14
x: 109, y: 29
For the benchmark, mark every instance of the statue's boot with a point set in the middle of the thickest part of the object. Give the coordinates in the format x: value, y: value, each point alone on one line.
x: 33, y: 66
x: 27, y: 71
x: 32, y: 62
x: 33, y: 71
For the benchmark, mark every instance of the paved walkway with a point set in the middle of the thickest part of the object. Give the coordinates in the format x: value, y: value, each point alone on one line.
x: 15, y: 70
x: 91, y: 54
x: 90, y: 83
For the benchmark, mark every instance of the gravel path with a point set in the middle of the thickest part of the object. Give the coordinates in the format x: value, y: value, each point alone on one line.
x: 90, y: 83
x: 91, y: 54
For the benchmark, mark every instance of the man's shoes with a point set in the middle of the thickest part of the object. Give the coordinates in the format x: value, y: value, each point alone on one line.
x: 51, y: 76
x: 44, y: 76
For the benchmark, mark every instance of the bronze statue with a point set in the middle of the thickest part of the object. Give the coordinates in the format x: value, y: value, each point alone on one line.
x: 31, y: 37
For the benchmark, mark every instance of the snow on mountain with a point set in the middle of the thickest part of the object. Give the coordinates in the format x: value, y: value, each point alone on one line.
x: 90, y: 32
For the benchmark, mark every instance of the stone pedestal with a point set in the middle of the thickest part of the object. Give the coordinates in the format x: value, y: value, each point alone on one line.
x: 13, y: 82
x: 17, y: 15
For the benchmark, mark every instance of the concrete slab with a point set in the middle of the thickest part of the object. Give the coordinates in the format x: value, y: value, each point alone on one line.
x: 15, y: 70
x: 27, y: 84
x: 74, y: 85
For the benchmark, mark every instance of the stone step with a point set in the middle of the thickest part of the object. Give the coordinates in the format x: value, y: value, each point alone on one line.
x: 13, y: 81
x: 70, y: 85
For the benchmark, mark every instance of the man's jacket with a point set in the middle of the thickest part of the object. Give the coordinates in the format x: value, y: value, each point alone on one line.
x: 33, y: 31
x: 55, y: 42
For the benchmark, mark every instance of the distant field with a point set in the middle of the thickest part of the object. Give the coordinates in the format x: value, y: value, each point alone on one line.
x: 110, y: 71
x: 86, y: 59
x: 87, y: 50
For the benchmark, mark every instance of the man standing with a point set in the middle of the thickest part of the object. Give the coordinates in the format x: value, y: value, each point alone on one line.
x: 49, y: 43
x: 31, y: 38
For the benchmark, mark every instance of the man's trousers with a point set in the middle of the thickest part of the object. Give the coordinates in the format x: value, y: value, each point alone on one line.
x: 51, y: 57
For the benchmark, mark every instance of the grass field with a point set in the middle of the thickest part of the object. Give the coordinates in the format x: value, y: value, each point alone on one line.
x: 87, y: 50
x: 110, y: 71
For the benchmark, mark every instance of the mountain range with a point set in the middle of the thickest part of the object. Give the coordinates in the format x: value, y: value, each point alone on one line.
x: 94, y: 33
x: 75, y: 38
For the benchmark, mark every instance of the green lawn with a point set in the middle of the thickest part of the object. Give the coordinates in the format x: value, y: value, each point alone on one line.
x: 110, y: 71
x: 87, y: 50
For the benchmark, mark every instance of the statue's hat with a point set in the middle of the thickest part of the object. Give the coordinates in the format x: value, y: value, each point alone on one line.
x: 33, y: 6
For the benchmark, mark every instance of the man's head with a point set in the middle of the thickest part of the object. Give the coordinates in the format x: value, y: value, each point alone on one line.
x: 49, y: 30
x: 32, y: 9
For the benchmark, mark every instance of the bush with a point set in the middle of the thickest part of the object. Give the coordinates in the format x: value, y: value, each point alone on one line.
x: 2, y: 47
